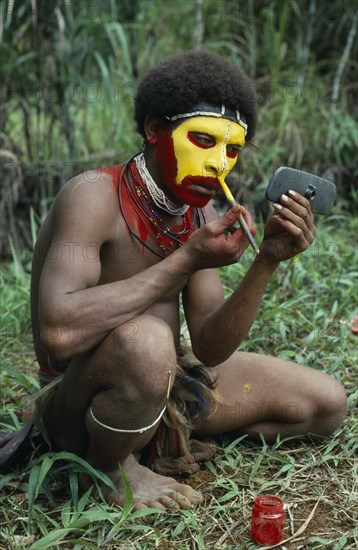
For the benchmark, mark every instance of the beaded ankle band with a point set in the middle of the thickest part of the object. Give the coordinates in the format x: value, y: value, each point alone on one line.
x: 139, y: 430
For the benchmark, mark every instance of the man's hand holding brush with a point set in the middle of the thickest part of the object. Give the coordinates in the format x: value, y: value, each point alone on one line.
x: 221, y: 241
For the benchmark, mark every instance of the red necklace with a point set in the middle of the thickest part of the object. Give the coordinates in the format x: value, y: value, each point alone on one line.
x: 167, y: 238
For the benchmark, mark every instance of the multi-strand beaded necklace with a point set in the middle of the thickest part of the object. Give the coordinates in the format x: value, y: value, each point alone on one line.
x: 141, y: 201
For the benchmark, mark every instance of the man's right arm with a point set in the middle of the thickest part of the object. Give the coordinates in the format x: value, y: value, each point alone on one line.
x: 75, y: 312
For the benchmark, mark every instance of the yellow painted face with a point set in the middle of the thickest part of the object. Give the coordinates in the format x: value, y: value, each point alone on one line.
x: 206, y: 147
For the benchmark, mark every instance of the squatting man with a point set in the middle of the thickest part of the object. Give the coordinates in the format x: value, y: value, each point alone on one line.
x: 118, y: 384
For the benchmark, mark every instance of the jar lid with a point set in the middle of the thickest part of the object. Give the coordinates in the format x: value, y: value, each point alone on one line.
x: 268, y: 503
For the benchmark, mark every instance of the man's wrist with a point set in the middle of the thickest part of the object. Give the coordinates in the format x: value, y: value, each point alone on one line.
x: 187, y: 261
x: 266, y: 263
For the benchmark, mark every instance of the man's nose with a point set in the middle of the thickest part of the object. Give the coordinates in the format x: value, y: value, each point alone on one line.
x: 214, y: 162
x: 211, y: 167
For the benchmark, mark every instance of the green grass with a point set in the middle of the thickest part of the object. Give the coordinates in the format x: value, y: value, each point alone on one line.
x: 305, y: 316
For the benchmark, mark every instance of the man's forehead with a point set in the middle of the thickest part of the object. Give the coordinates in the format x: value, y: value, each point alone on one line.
x: 222, y: 127
x: 215, y: 111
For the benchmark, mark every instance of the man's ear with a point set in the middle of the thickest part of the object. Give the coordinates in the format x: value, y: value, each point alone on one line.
x: 151, y: 127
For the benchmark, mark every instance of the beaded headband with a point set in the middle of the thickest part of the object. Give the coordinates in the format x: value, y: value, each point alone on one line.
x: 219, y: 111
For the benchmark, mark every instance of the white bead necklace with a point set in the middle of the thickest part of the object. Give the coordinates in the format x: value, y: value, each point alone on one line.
x: 158, y: 196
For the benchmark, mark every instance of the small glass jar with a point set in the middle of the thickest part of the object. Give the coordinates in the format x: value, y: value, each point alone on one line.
x: 268, y: 519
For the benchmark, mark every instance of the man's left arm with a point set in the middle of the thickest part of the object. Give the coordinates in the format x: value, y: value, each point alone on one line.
x: 217, y: 327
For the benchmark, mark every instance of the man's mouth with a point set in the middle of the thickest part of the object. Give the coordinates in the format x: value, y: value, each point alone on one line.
x: 205, y: 185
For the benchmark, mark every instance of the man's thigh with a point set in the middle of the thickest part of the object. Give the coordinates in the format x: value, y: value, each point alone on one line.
x: 255, y: 388
x: 64, y: 413
x: 120, y: 369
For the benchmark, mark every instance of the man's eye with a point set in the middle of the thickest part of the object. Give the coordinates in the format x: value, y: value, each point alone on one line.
x: 202, y: 139
x: 233, y: 150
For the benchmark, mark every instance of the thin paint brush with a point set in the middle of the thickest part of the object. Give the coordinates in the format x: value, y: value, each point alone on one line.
x: 243, y: 224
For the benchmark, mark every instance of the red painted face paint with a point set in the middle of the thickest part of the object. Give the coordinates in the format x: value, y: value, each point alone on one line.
x: 132, y: 215
x: 167, y: 164
x: 134, y: 218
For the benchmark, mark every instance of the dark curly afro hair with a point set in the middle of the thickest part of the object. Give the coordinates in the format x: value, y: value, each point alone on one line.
x: 183, y: 80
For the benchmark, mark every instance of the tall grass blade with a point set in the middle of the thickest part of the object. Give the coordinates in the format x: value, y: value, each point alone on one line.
x: 127, y: 506
x: 120, y: 46
x: 56, y: 538
x: 33, y: 482
x: 102, y: 65
x: 74, y: 488
x: 128, y: 498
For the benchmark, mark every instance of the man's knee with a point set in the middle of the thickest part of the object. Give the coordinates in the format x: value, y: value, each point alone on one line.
x: 144, y: 333
x: 332, y: 406
x: 336, y: 401
x: 144, y: 354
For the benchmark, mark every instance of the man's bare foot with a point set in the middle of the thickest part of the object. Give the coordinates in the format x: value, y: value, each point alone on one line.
x: 150, y: 490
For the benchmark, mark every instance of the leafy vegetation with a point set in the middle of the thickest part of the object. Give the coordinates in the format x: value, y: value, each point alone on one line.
x: 70, y: 69
x: 305, y: 316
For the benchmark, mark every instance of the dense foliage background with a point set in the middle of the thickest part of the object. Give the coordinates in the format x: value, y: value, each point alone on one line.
x: 69, y: 71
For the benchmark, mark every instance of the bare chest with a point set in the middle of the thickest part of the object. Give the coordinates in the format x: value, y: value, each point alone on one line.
x: 132, y: 251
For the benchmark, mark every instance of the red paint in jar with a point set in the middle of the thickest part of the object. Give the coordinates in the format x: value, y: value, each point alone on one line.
x: 268, y: 519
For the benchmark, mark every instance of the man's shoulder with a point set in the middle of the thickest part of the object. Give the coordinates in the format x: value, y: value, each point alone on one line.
x: 96, y: 177
x: 97, y: 184
x: 114, y: 173
x: 89, y: 197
